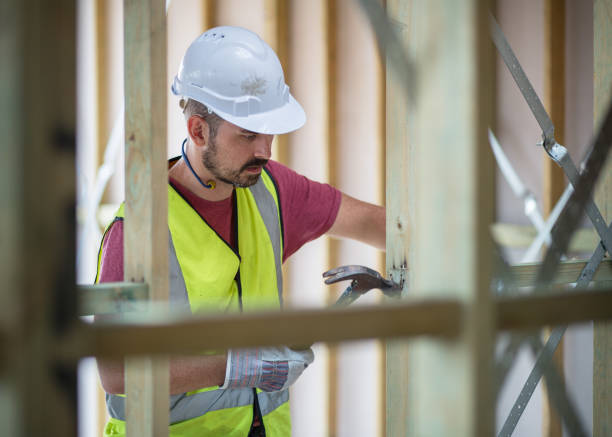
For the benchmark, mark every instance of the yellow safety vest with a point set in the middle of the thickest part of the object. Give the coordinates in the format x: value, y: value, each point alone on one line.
x: 206, y: 274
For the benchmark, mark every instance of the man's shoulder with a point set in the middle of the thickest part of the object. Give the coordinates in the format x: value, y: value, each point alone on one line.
x: 281, y: 174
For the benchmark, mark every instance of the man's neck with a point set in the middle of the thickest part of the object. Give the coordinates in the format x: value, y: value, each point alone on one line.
x: 185, y: 177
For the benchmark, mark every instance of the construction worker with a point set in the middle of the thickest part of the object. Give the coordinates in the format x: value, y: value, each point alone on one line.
x: 234, y: 216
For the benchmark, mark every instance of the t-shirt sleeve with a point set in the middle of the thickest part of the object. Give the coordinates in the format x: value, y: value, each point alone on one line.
x: 308, y: 208
x: 111, y: 265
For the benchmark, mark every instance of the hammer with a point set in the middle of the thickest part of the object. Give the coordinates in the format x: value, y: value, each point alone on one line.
x: 363, y: 279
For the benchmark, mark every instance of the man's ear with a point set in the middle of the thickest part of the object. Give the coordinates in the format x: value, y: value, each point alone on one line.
x: 198, y: 130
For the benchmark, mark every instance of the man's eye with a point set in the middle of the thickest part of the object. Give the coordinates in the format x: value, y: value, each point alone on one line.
x: 250, y: 137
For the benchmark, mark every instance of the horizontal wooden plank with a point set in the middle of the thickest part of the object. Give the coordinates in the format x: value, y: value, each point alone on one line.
x: 535, y: 311
x: 567, y: 273
x: 411, y: 317
x: 112, y: 297
x: 521, y: 236
x: 175, y: 335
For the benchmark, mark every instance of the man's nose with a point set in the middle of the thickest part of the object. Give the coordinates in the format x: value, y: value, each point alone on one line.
x: 263, y: 146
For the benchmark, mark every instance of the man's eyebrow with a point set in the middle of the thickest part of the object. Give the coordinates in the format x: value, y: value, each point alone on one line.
x: 246, y: 131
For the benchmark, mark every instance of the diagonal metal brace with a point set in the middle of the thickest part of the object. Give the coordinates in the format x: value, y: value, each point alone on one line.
x: 556, y: 151
x: 545, y: 354
x: 534, y: 102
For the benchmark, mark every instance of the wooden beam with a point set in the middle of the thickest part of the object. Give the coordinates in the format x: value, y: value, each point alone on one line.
x: 37, y: 214
x: 209, y: 12
x: 454, y: 208
x: 438, y: 317
x: 146, y: 209
x: 554, y: 95
x: 567, y: 273
x: 276, y: 34
x: 112, y: 297
x: 400, y: 220
x: 103, y: 84
x: 333, y: 248
x: 554, y: 178
x: 535, y: 311
x: 521, y: 236
x: 602, y: 337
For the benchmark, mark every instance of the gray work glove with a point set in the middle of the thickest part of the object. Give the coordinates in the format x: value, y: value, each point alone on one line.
x: 267, y: 368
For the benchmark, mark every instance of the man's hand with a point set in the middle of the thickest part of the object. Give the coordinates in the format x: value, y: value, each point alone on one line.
x: 268, y: 368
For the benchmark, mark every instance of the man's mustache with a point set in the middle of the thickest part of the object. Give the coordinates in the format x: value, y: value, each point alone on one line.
x: 254, y: 163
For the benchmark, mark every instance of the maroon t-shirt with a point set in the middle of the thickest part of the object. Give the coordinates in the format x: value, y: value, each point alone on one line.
x: 308, y: 208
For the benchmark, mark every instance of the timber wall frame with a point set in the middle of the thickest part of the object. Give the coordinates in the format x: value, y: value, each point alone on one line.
x: 41, y: 337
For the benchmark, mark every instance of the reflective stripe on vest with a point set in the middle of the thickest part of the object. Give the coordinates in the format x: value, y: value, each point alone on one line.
x: 184, y: 407
x: 191, y: 288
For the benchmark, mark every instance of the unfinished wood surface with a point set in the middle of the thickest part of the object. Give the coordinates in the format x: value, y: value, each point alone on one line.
x: 37, y: 194
x: 111, y: 297
x: 209, y: 12
x: 554, y: 179
x: 521, y: 236
x: 602, y: 341
x: 451, y: 389
x: 400, y: 219
x: 568, y: 272
x: 146, y: 209
x: 437, y: 317
x: 333, y: 250
x: 529, y: 312
x: 102, y: 8
x: 276, y: 34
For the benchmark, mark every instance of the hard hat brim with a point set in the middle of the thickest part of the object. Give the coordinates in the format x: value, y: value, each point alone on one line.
x: 285, y: 119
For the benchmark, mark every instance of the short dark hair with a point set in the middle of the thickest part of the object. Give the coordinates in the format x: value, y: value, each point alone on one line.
x: 193, y: 107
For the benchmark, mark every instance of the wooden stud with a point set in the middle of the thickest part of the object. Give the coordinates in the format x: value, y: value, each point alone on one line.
x: 451, y: 389
x: 102, y: 77
x: 400, y: 220
x: 37, y: 194
x: 602, y: 337
x: 276, y: 34
x: 382, y: 171
x: 146, y: 209
x: 554, y: 178
x: 209, y: 9
x: 554, y: 95
x: 333, y: 248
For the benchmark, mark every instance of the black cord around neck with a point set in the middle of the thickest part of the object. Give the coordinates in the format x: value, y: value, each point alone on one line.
x: 211, y: 185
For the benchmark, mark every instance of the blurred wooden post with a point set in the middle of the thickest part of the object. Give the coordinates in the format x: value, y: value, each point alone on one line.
x: 554, y: 179
x: 37, y: 215
x: 602, y: 338
x: 209, y: 14
x: 451, y: 184
x: 146, y: 207
x: 333, y: 248
x: 400, y: 220
x: 276, y: 34
x: 103, y: 60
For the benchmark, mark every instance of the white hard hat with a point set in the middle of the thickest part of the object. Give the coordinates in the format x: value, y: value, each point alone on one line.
x: 239, y: 77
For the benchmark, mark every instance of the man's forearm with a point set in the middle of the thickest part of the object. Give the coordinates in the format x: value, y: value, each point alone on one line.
x: 186, y: 373
x: 360, y: 221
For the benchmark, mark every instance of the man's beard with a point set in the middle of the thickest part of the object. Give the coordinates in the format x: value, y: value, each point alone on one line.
x: 229, y: 176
